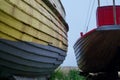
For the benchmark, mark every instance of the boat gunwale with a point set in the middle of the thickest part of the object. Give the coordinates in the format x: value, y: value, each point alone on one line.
x: 57, y: 13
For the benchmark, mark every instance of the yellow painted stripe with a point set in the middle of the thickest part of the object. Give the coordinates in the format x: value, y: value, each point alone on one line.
x: 41, y: 7
x: 26, y: 37
x: 24, y: 30
x: 37, y: 15
x: 4, y: 36
x: 27, y: 19
x: 9, y: 31
x: 11, y: 21
x: 20, y: 26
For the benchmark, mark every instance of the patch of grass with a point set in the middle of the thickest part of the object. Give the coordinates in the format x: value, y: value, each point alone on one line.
x: 57, y: 75
x: 72, y: 75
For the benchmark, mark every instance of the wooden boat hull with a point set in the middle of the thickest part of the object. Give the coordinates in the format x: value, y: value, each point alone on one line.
x: 29, y: 59
x: 99, y: 50
x: 33, y: 37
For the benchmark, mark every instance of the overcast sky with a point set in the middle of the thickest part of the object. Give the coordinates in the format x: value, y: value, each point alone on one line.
x: 77, y: 16
x: 76, y: 13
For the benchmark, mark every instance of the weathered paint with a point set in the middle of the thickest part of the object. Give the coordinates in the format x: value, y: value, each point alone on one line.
x: 29, y: 59
x: 98, y: 50
x: 33, y: 37
x: 31, y: 21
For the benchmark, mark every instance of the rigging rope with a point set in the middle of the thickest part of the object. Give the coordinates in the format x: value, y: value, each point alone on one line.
x: 90, y: 15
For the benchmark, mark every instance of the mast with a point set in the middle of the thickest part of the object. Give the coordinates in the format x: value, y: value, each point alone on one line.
x: 98, y: 3
x: 114, y: 12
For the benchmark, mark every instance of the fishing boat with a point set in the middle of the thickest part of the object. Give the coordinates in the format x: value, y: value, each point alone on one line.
x: 33, y: 37
x: 99, y: 49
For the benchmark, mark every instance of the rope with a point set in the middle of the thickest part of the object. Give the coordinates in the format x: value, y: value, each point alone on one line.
x: 87, y: 24
x: 88, y: 13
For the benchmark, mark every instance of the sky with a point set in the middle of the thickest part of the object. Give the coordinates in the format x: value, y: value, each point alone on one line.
x: 76, y: 13
x: 79, y: 15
